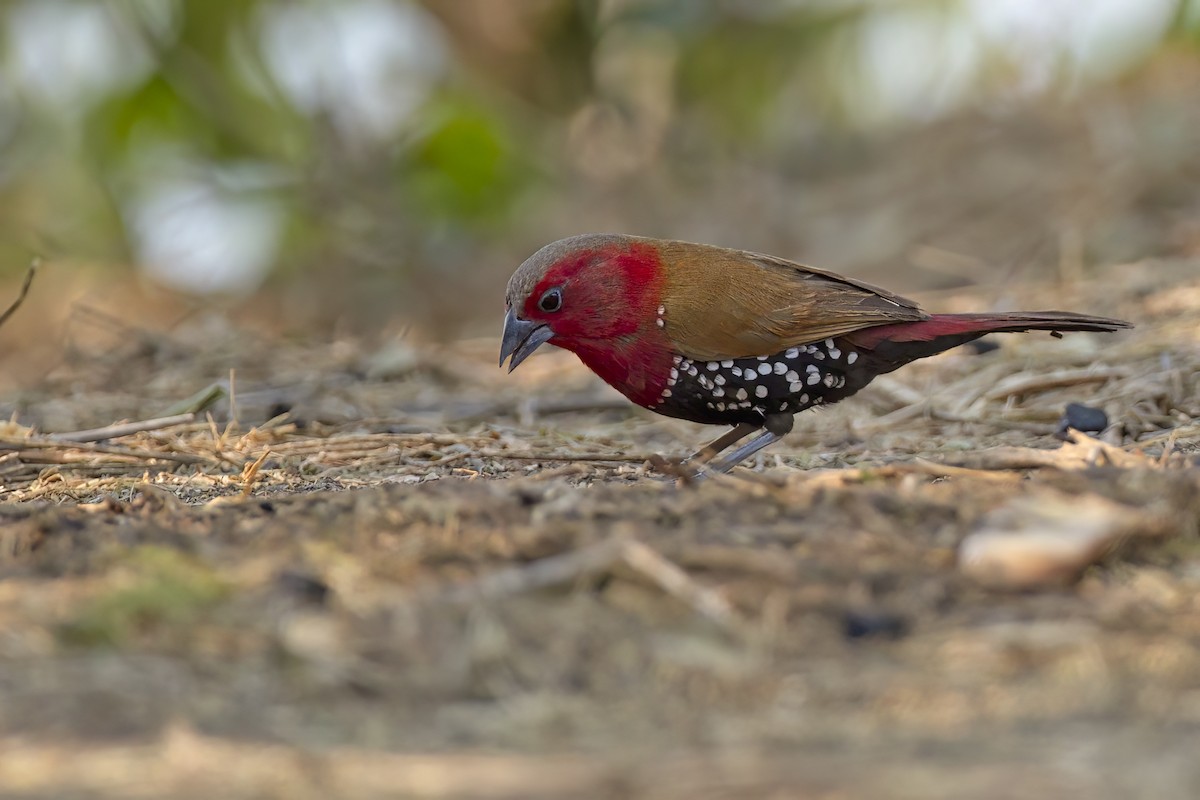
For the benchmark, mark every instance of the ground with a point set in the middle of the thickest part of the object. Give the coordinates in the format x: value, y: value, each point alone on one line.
x: 400, y: 572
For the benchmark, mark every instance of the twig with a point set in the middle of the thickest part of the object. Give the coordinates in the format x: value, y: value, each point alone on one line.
x: 625, y: 459
x: 29, y: 273
x: 566, y: 567
x: 22, y: 445
x: 1019, y: 385
x: 123, y: 429
x: 550, y: 571
x: 672, y: 579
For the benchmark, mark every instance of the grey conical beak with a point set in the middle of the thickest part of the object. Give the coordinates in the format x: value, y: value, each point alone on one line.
x: 521, y: 338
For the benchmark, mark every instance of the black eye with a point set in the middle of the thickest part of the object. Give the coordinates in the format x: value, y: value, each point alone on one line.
x: 551, y: 301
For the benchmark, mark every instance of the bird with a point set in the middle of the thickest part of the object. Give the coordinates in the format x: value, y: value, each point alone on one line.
x: 730, y: 337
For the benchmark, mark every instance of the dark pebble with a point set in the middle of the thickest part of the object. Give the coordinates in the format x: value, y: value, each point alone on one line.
x: 1083, y: 418
x: 882, y: 624
x: 303, y: 586
x: 981, y: 346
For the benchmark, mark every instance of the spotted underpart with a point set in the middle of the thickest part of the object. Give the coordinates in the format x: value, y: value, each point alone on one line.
x: 748, y: 389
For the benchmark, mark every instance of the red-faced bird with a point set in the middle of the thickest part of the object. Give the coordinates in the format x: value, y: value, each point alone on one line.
x: 728, y: 337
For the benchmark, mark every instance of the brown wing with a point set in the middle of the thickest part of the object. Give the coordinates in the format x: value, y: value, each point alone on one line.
x: 723, y: 304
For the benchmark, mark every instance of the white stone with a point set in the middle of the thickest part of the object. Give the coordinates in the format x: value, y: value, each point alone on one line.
x: 726, y: 364
x: 741, y: 394
x: 713, y: 366
x: 764, y: 369
x: 780, y: 367
x: 760, y: 391
x: 792, y: 352
x: 813, y: 378
x: 851, y: 357
x: 795, y: 386
x: 792, y: 376
x: 834, y: 353
x: 719, y: 380
x: 718, y: 392
x: 737, y: 372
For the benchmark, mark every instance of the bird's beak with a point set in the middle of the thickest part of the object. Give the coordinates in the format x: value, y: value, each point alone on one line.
x: 521, y: 338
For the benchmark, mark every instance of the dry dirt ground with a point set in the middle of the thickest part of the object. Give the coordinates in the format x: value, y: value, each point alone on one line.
x: 400, y: 572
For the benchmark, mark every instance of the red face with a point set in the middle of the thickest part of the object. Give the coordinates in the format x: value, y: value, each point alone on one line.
x: 596, y: 296
x: 596, y: 293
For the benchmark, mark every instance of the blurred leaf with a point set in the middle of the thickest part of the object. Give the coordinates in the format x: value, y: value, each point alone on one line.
x: 465, y: 168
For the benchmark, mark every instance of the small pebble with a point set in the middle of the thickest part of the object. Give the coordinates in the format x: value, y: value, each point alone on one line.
x: 303, y: 586
x: 1083, y: 418
x: 878, y: 624
x: 981, y: 346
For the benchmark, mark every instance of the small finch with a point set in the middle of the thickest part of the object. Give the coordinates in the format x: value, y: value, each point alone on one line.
x: 728, y: 337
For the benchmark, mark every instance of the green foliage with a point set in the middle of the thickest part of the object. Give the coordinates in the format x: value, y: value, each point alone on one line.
x: 466, y: 168
x: 166, y: 588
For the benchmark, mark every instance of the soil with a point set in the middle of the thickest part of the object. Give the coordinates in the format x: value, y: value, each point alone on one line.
x: 399, y: 572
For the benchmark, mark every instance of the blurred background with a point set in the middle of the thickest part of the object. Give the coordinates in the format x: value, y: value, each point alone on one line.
x: 372, y: 167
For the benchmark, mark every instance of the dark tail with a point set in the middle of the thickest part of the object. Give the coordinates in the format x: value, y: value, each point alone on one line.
x: 908, y: 341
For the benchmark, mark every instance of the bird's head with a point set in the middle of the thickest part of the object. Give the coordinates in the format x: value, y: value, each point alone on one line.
x: 581, y: 293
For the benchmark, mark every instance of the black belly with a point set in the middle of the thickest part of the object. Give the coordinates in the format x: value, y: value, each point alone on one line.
x: 749, y: 389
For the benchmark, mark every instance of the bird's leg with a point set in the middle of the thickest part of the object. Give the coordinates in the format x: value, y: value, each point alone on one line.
x: 722, y: 442
x: 777, y: 426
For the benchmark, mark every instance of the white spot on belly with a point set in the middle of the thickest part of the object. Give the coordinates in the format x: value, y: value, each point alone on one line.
x: 760, y: 391
x: 792, y: 376
x: 813, y: 378
x: 719, y: 380
x: 741, y: 394
x: 780, y: 367
x: 726, y: 364
x: 764, y: 369
x: 795, y: 386
x: 851, y: 357
x: 792, y: 352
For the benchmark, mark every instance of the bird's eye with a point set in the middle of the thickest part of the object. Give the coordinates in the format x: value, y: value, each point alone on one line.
x: 551, y: 301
